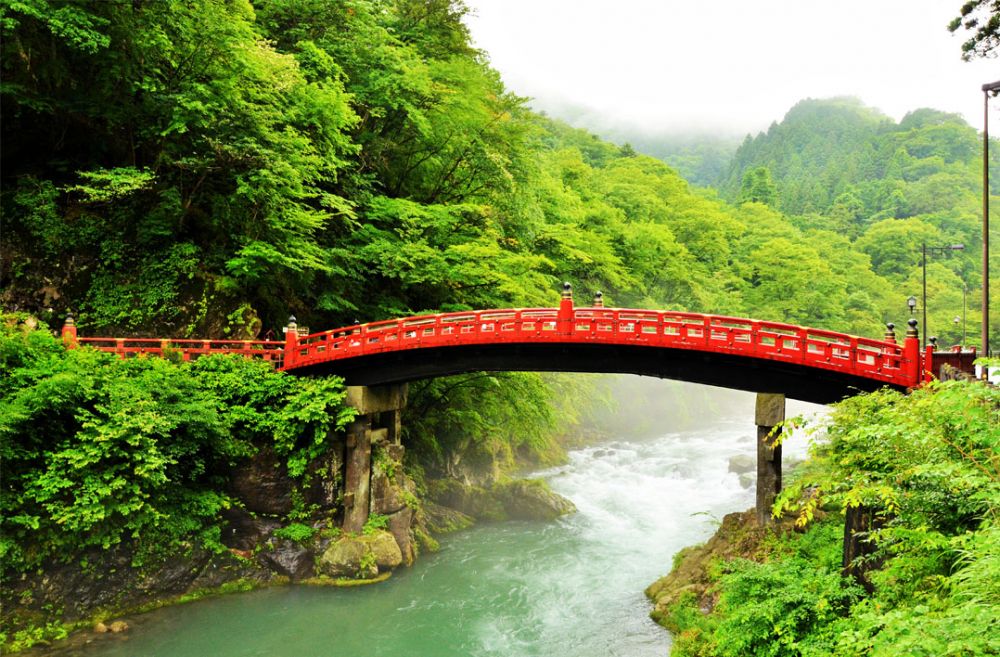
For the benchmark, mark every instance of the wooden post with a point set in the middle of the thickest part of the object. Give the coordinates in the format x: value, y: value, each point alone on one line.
x: 770, y: 413
x: 859, y: 549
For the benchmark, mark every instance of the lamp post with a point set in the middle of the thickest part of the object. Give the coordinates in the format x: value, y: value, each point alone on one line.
x: 923, y: 267
x: 965, y: 292
x: 994, y: 88
x: 911, y: 303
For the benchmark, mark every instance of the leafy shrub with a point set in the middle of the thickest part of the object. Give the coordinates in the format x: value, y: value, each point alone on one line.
x: 296, y: 531
x: 376, y: 522
x: 777, y: 609
x: 98, y: 450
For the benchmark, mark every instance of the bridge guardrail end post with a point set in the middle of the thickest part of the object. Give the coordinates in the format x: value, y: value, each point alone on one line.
x: 69, y: 331
x: 291, y: 341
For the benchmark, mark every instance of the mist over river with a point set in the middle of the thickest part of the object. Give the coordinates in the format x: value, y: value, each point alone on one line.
x: 568, y: 588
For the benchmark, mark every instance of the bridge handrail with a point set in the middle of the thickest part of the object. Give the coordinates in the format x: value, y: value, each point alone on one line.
x: 882, y: 360
x: 779, y: 341
x: 270, y: 350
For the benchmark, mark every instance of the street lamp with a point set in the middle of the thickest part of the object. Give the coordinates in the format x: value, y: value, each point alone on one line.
x: 911, y: 303
x: 990, y: 87
x: 923, y: 266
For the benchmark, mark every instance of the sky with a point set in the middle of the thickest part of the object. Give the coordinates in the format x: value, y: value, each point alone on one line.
x: 727, y: 67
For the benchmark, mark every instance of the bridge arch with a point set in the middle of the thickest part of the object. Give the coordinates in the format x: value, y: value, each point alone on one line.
x: 745, y: 354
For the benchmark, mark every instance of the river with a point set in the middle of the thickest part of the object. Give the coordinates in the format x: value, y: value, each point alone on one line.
x: 568, y: 588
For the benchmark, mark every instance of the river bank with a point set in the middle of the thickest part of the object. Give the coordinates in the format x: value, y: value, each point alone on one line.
x: 510, y: 588
x: 887, y: 543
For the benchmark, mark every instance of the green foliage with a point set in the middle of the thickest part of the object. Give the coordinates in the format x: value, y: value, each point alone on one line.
x: 928, y: 463
x: 982, y: 19
x: 103, y: 186
x: 376, y: 522
x: 479, y: 418
x: 98, y: 451
x: 32, y: 636
x: 779, y: 609
x: 295, y: 532
x: 367, y: 565
x: 840, y: 168
x: 758, y: 187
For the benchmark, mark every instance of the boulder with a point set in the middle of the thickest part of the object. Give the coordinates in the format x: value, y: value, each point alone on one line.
x: 401, y: 527
x: 442, y: 519
x: 343, y: 558
x: 118, y: 627
x: 390, y: 495
x: 360, y: 556
x: 531, y: 499
x: 742, y: 463
x: 289, y: 558
x: 471, y: 500
x: 385, y: 549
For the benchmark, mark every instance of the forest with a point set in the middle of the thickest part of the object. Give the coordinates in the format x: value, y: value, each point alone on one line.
x: 207, y: 169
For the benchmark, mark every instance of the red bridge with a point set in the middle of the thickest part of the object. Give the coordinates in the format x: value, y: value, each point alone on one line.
x: 746, y: 354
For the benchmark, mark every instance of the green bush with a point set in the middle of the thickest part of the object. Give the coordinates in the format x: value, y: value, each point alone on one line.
x: 779, y: 609
x: 295, y: 532
x: 98, y: 450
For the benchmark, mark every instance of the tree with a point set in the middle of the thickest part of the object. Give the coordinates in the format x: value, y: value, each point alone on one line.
x: 758, y: 187
x: 982, y: 19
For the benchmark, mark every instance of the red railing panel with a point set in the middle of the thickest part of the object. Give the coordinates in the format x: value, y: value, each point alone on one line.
x: 880, y: 360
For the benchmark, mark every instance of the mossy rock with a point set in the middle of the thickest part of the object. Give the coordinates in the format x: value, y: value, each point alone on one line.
x: 443, y: 520
x: 361, y: 557
x: 475, y: 501
x: 532, y: 499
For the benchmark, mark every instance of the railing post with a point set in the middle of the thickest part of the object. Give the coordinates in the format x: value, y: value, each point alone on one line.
x: 911, y: 354
x: 291, y: 341
x: 566, y: 312
x: 69, y: 331
x: 598, y: 299
x: 927, y: 367
x: 890, y: 333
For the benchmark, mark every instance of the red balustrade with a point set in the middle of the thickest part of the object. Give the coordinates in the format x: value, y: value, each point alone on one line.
x: 881, y: 360
x: 268, y: 350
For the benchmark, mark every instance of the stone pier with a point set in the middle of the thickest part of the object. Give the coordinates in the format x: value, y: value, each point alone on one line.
x: 770, y: 413
x: 377, y: 425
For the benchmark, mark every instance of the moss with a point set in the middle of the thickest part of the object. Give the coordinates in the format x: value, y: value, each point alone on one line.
x: 425, y: 540
x: 341, y: 582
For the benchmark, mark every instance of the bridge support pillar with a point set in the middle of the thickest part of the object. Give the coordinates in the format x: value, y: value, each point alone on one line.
x: 770, y: 413
x: 357, y: 473
x: 378, y: 420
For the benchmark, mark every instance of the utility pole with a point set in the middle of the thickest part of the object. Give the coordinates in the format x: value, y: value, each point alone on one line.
x: 993, y: 87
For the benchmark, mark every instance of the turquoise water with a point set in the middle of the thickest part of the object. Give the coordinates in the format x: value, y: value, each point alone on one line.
x: 573, y: 587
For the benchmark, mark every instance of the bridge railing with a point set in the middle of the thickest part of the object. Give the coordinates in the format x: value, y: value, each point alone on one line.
x: 877, y: 359
x: 269, y: 350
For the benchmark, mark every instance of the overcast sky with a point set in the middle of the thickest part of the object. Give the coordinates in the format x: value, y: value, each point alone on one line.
x: 727, y: 66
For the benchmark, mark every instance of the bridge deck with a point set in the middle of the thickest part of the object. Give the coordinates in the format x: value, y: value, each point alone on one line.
x: 759, y: 354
